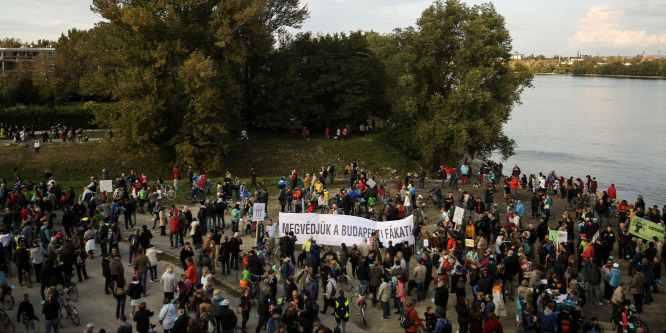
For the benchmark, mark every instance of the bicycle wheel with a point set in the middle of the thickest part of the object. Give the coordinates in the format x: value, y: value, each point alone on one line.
x: 276, y: 252
x: 74, y: 315
x: 73, y: 292
x: 346, y: 283
x: 27, y: 279
x: 8, y: 302
x: 9, y: 328
x: 643, y: 325
x: 363, y: 314
x: 171, y: 194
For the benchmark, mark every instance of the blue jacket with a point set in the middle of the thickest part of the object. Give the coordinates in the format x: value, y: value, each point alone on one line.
x: 520, y: 209
x: 314, y: 289
x: 615, y: 275
x: 547, y: 322
x: 315, y: 254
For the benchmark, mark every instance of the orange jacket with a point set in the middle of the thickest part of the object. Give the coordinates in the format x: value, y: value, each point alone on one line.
x: 414, y: 318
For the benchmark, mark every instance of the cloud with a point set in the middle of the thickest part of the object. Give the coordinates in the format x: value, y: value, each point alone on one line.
x: 56, y: 22
x: 618, y: 25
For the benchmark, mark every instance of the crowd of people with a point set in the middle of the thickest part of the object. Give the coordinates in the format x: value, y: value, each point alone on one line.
x: 489, y: 259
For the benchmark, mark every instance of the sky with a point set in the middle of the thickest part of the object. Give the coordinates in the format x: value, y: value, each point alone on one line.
x: 537, y: 27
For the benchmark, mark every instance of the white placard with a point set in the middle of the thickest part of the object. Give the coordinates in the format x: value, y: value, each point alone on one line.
x: 106, y: 186
x: 258, y: 211
x: 371, y: 183
x: 561, y: 237
x: 458, y: 215
x: 331, y: 229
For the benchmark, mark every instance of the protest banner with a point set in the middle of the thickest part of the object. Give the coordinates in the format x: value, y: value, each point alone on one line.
x: 458, y: 215
x: 330, y: 229
x: 371, y: 183
x: 106, y: 186
x: 258, y: 211
x: 552, y: 235
x: 645, y: 229
x: 561, y: 237
x: 469, y: 242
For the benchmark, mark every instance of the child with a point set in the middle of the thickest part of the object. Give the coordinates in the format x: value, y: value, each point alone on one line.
x: 430, y: 320
x: 274, y: 322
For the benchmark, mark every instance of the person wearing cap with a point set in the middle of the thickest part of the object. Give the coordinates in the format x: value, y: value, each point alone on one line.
x: 227, y: 319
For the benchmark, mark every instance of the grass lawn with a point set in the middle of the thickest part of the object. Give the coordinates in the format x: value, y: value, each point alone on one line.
x: 272, y: 157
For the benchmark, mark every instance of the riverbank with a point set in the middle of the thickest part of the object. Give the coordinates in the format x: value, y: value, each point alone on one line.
x: 608, y: 75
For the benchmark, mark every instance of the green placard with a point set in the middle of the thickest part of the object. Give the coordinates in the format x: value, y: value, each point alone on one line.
x: 553, y: 235
x: 645, y: 229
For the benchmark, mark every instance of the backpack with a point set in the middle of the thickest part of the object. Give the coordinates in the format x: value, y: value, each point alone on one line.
x: 24, y: 317
x: 297, y: 194
x: 565, y: 323
x: 404, y: 319
x: 234, y: 213
x: 527, y: 249
x: 339, y: 310
x: 460, y: 284
x: 448, y: 327
x: 291, y: 270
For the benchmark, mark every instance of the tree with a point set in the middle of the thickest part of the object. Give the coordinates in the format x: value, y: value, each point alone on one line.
x: 454, y: 87
x: 58, y: 76
x: 178, y: 70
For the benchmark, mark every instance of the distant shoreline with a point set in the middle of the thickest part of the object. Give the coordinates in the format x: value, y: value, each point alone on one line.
x: 609, y: 75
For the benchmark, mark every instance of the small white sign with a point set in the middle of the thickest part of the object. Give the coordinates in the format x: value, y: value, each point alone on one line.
x: 371, y: 183
x: 458, y: 215
x: 259, y: 210
x: 106, y: 186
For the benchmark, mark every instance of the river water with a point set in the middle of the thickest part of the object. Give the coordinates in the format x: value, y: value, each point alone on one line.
x: 613, y: 129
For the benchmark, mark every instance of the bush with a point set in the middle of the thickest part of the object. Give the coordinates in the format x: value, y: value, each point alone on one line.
x: 43, y: 117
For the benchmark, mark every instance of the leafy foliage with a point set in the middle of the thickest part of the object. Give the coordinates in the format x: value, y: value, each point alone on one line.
x: 453, y: 88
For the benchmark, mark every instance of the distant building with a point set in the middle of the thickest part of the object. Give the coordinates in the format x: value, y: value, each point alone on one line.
x: 21, y: 59
x: 517, y: 56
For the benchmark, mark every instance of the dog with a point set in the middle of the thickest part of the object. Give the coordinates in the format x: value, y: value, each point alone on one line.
x: 301, y: 259
x: 476, y: 185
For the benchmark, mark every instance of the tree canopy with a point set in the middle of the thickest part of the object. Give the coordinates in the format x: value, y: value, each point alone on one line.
x: 452, y: 87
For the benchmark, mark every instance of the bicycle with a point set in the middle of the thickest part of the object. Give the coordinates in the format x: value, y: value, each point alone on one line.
x: 95, y: 195
x: 345, y: 282
x: 71, y: 311
x: 6, y: 298
x: 6, y: 324
x: 169, y: 192
x: 360, y: 302
x: 27, y: 277
x: 71, y: 290
x: 638, y: 322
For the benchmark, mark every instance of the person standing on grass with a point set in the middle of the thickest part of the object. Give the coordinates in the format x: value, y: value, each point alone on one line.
x: 176, y: 177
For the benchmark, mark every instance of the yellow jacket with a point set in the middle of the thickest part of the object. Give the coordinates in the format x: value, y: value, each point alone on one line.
x: 306, y: 246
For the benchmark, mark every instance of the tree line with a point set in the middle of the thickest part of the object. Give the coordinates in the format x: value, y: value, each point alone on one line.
x: 636, y: 66
x: 186, y: 77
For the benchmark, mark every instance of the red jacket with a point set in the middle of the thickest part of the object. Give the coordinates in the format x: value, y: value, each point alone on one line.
x: 414, y: 318
x: 176, y: 173
x: 612, y: 193
x: 191, y: 273
x: 175, y: 223
x: 514, y: 184
x: 589, y: 251
x: 491, y: 325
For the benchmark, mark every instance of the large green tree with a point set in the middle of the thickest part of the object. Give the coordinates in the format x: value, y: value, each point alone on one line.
x: 178, y: 69
x: 452, y: 87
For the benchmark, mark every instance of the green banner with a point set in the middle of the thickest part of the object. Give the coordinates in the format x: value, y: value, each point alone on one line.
x: 645, y: 229
x: 552, y: 235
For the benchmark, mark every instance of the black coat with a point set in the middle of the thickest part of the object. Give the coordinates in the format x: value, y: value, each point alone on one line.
x: 142, y: 319
x: 228, y: 318
x: 441, y: 296
x: 180, y: 326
